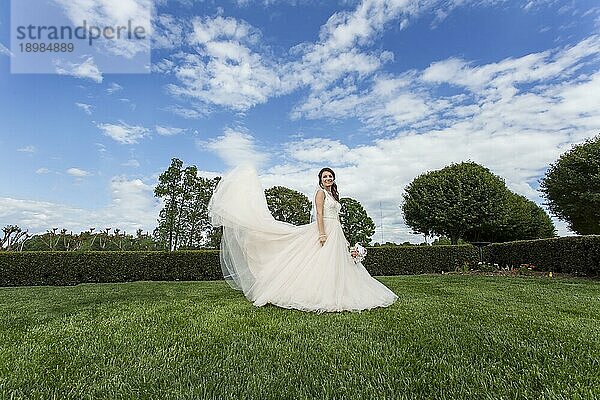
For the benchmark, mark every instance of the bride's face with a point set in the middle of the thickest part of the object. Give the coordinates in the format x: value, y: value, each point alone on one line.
x: 327, y: 179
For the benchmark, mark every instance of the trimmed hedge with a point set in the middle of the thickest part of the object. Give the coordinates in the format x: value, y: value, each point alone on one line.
x: 577, y: 255
x: 407, y: 260
x: 71, y: 268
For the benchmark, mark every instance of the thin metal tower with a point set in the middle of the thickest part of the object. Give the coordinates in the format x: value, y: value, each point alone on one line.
x: 381, y: 222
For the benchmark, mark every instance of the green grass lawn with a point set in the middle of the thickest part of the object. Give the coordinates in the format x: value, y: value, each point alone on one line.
x: 447, y: 337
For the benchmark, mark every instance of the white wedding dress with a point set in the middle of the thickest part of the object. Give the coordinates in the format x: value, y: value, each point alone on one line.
x: 283, y: 264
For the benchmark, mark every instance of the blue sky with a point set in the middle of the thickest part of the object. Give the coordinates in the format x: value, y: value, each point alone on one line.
x: 381, y: 91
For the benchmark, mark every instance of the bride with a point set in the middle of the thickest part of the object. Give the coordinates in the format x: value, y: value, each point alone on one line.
x: 307, y: 267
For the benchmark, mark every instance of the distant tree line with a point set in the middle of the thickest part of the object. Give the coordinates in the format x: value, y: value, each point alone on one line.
x: 54, y: 240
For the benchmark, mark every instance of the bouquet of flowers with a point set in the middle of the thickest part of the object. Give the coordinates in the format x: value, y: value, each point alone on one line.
x: 358, y: 253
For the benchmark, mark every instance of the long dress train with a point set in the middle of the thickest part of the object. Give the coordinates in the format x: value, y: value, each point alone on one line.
x: 283, y: 264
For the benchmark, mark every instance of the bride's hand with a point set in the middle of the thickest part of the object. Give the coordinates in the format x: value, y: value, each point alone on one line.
x: 322, y: 240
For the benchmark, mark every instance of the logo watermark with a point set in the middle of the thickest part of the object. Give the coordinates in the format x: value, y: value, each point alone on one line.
x: 66, y: 37
x: 82, y: 32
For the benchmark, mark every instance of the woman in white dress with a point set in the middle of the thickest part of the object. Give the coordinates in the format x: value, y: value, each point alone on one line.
x: 307, y: 267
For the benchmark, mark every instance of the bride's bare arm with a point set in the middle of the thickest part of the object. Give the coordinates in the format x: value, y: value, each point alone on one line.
x: 319, y: 201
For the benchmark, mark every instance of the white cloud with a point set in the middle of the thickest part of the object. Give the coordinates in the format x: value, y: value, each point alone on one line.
x: 340, y: 52
x: 78, y: 173
x: 230, y: 67
x: 124, y: 133
x: 5, y: 51
x: 224, y: 70
x: 113, y: 13
x: 132, y: 106
x: 338, y: 102
x: 132, y: 207
x: 163, y: 66
x: 343, y: 58
x: 235, y: 147
x: 85, y: 70
x: 320, y: 150
x: 87, y: 108
x: 186, y: 3
x: 207, y: 30
x: 168, y: 130
x: 113, y: 87
x: 536, y: 91
x: 27, y: 149
x: 533, y: 67
x: 42, y: 170
x: 169, y: 32
x: 101, y: 148
x: 196, y: 111
x: 299, y: 176
x: 131, y: 163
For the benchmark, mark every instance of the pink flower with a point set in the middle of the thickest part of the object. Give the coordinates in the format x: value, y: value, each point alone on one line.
x: 358, y: 253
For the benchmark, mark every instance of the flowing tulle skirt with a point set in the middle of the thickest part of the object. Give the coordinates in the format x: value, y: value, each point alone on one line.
x: 283, y: 264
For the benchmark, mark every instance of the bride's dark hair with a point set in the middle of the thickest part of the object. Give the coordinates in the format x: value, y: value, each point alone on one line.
x: 334, y: 190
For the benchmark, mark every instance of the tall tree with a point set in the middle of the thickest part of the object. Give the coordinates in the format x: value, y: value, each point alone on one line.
x: 183, y: 222
x: 187, y: 213
x: 170, y: 188
x: 459, y: 200
x: 525, y: 220
x: 288, y: 205
x: 198, y: 230
x: 358, y: 227
x: 571, y: 187
x: 13, y: 238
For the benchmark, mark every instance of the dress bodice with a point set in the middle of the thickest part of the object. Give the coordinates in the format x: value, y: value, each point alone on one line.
x: 331, y: 208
